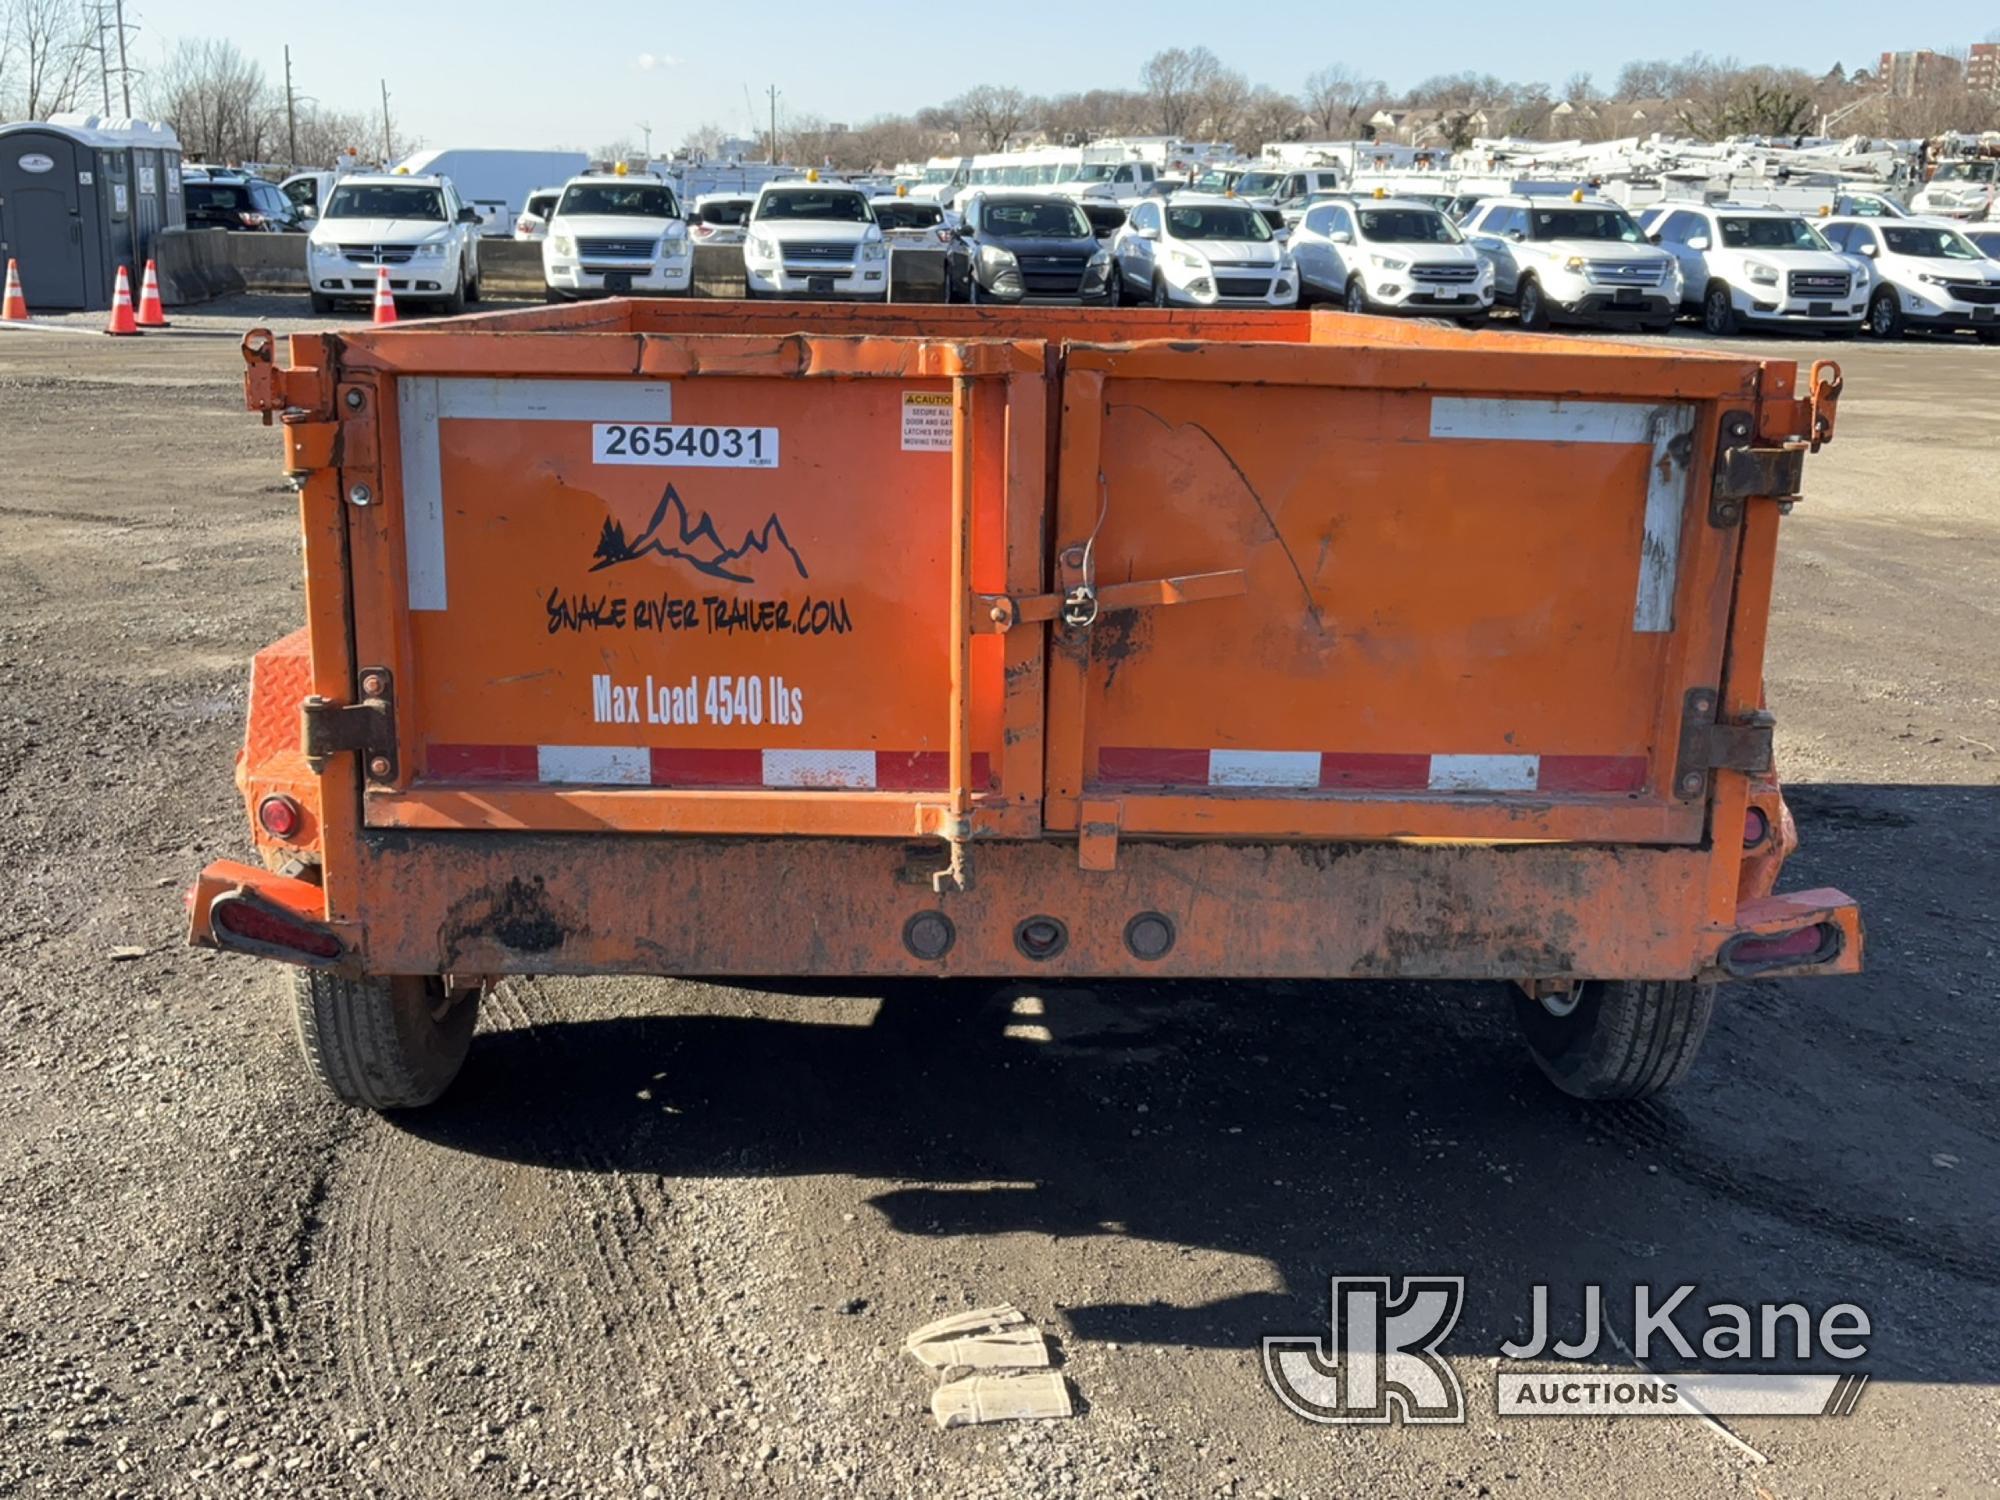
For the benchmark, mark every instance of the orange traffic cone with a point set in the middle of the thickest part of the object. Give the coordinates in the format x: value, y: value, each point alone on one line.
x: 151, y: 313
x: 122, y: 321
x: 15, y: 308
x: 385, y: 302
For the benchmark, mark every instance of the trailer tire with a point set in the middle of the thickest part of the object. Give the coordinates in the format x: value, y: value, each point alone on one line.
x: 1620, y: 1038
x: 381, y: 1042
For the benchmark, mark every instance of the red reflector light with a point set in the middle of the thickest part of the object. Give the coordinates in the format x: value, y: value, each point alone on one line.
x: 1805, y: 945
x: 1756, y: 827
x: 262, y: 927
x: 280, y: 816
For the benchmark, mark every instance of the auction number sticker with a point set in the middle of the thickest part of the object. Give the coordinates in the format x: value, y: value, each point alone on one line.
x: 667, y: 445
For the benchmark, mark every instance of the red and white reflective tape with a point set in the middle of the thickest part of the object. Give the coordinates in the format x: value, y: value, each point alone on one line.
x: 1338, y: 771
x: 721, y: 770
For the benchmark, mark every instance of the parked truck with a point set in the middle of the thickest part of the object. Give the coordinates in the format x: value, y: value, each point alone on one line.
x: 1039, y: 644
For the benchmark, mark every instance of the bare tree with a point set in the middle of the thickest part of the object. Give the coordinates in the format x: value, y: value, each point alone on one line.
x: 991, y: 114
x: 1075, y: 118
x: 1580, y: 90
x: 45, y: 50
x: 1338, y: 99
x: 1268, y: 115
x: 324, y: 135
x: 217, y: 101
x: 1221, y: 105
x: 706, y: 138
x: 1173, y: 82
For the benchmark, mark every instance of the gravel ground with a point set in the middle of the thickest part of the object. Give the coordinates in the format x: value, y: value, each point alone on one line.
x: 665, y: 1238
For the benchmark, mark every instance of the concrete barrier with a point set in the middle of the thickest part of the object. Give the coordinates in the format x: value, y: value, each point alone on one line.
x: 194, y: 265
x: 510, y: 268
x: 197, y: 264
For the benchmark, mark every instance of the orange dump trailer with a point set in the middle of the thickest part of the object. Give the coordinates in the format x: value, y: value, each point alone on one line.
x: 656, y: 637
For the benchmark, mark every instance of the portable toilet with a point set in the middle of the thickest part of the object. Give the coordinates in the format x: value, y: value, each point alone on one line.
x: 79, y: 197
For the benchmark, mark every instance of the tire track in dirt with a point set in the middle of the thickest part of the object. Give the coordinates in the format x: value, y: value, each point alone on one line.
x: 1654, y: 1130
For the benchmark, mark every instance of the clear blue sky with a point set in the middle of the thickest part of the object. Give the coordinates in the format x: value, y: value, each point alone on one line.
x: 511, y: 73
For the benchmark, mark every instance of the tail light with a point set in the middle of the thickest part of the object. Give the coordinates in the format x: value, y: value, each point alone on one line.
x: 1752, y: 954
x: 250, y: 925
x: 279, y: 816
x: 1756, y: 827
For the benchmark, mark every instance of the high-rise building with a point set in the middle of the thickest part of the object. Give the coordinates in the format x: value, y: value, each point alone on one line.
x: 1982, y: 68
x: 1910, y: 73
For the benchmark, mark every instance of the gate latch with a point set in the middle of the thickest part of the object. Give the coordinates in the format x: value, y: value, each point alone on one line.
x: 367, y: 728
x: 1744, y: 471
x: 1742, y: 744
x: 996, y: 614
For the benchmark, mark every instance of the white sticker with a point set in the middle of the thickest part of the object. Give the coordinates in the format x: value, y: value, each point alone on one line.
x: 34, y: 161
x: 668, y: 446
x: 927, y: 421
x: 84, y: 179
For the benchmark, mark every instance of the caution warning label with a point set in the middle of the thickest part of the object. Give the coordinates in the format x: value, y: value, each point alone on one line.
x: 927, y: 421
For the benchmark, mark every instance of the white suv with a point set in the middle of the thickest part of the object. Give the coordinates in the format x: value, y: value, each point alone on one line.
x: 413, y: 225
x: 1390, y: 255
x: 815, y: 239
x: 1929, y: 276
x: 1742, y: 264
x: 1574, y: 260
x: 1197, y: 250
x: 613, y: 234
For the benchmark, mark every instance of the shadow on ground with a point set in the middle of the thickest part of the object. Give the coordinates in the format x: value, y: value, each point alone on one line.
x: 1836, y: 1143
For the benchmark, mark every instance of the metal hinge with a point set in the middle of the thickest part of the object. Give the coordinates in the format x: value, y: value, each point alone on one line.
x: 367, y: 728
x: 1744, y: 471
x: 1743, y: 744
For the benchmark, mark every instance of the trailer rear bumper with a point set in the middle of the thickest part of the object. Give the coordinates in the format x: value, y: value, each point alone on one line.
x: 498, y: 903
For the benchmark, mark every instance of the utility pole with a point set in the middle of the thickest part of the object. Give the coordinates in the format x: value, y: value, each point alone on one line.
x: 773, y: 92
x: 387, y: 149
x: 124, y: 69
x: 291, y: 113
x: 103, y: 66
x: 648, y: 131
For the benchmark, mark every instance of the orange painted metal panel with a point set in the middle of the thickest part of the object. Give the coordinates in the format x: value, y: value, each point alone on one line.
x: 1421, y: 717
x: 1466, y: 616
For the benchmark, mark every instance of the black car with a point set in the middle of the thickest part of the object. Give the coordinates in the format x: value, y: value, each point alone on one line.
x: 1026, y: 247
x: 238, y: 201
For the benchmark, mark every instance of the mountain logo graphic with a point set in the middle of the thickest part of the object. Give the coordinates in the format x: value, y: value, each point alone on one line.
x: 697, y: 543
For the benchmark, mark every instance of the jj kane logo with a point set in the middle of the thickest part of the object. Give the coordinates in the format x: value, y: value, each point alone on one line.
x: 1382, y: 1361
x: 1382, y: 1356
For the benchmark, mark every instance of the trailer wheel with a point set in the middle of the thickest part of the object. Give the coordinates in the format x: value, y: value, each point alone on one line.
x: 381, y: 1042
x: 1617, y: 1038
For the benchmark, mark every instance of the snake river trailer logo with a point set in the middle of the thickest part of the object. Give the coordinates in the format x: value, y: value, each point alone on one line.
x: 1382, y: 1359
